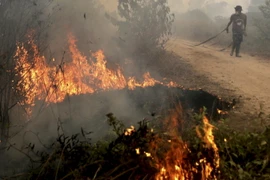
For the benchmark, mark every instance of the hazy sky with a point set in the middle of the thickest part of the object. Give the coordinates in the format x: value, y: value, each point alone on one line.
x: 212, y: 7
x: 228, y: 5
x: 233, y: 3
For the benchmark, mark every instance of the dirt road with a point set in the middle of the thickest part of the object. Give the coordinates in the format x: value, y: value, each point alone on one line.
x: 247, y: 79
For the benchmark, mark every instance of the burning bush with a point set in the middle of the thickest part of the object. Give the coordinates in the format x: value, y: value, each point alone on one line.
x: 204, y: 152
x: 135, y: 154
x: 38, y: 80
x: 16, y: 18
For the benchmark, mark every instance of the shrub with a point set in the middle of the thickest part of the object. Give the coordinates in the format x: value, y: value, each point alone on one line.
x: 144, y: 25
x: 141, y: 153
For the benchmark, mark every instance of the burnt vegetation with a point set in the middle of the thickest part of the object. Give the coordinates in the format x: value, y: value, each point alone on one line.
x: 176, y: 139
x: 242, y: 155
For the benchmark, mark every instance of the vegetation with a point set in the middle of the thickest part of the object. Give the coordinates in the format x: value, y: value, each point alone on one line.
x: 144, y: 25
x: 128, y: 152
x: 139, y: 154
x: 243, y: 155
x: 264, y: 24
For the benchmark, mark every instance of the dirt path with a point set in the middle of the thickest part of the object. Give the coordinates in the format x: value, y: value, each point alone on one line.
x: 247, y: 78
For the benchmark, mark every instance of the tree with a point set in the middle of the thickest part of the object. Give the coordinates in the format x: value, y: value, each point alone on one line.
x: 265, y: 9
x: 254, y: 5
x: 144, y: 25
x: 264, y: 24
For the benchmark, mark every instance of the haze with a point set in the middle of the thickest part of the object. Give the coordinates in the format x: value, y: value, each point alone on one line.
x: 211, y: 7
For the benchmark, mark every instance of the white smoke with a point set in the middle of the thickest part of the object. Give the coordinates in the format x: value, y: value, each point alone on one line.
x: 211, y: 7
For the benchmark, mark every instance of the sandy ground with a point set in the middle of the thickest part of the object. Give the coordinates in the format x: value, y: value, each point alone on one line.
x: 246, y: 79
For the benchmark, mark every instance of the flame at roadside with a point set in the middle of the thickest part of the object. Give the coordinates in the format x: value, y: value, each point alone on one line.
x: 172, y: 157
x: 208, y: 139
x: 175, y: 165
x: 37, y: 80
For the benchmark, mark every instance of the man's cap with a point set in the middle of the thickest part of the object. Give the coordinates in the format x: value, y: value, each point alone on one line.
x: 238, y: 8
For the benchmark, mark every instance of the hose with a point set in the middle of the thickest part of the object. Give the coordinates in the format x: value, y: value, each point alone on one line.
x: 211, y: 38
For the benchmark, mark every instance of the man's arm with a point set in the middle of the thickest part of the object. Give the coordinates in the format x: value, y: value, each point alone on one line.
x: 231, y: 20
x: 245, y: 23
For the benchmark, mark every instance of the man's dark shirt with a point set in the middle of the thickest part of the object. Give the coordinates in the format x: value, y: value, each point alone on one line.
x: 239, y: 22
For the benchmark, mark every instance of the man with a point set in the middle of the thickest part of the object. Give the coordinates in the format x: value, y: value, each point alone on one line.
x: 239, y: 21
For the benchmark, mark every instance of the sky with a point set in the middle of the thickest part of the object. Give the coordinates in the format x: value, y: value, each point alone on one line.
x: 212, y: 7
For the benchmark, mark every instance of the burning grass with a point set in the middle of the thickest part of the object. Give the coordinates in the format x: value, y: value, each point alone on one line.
x: 163, y: 148
x: 80, y: 75
x: 201, y: 152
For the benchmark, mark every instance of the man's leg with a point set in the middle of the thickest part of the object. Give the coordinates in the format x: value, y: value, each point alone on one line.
x: 234, y: 43
x: 233, y: 48
x: 238, y: 46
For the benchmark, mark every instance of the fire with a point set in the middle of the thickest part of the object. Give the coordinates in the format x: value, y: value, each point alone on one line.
x: 81, y: 75
x: 222, y: 112
x: 86, y: 75
x: 174, y: 165
x: 208, y: 139
x: 129, y: 131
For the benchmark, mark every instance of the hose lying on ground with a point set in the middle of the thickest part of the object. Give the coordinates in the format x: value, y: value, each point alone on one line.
x: 226, y: 47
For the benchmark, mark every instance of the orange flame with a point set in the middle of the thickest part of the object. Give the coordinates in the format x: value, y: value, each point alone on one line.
x: 174, y: 166
x: 208, y: 139
x: 86, y: 75
x: 129, y: 131
x: 81, y: 75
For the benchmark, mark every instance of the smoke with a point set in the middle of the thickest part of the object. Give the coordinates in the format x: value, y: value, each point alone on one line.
x: 86, y: 20
x: 215, y: 7
x: 210, y: 7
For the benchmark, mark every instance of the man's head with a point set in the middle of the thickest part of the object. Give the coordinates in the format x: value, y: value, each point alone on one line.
x: 238, y: 9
